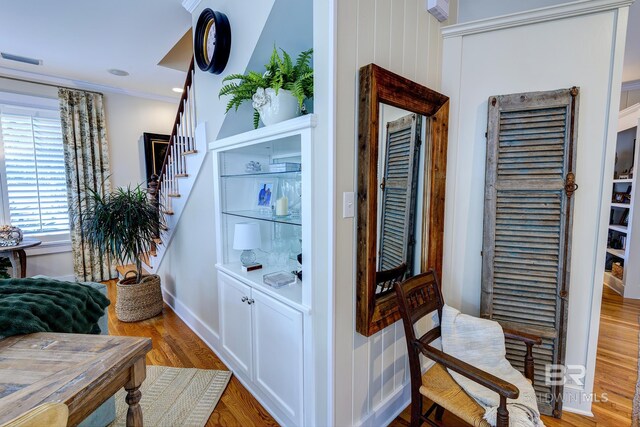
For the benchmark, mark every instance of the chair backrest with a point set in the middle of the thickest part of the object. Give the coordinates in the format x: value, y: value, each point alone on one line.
x: 386, y: 279
x: 419, y: 296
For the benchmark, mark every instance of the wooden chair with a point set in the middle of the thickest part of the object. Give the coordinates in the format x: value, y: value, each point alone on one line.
x: 386, y: 279
x: 418, y: 297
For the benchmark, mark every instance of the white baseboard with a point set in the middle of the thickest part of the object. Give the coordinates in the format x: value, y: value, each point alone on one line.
x: 389, y: 410
x: 206, y: 334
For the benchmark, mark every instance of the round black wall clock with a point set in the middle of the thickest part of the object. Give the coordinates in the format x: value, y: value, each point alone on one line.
x: 212, y: 42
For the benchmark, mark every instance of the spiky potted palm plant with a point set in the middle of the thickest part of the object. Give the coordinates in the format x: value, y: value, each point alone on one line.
x: 278, y: 93
x: 122, y: 225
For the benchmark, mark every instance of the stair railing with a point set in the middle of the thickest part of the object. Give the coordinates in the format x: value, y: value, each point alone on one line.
x: 164, y: 187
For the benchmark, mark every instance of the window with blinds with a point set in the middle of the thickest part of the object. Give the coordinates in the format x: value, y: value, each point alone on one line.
x: 34, y: 188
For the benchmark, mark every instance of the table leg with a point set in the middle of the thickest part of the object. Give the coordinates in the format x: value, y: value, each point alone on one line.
x: 16, y: 265
x: 22, y: 257
x: 137, y: 374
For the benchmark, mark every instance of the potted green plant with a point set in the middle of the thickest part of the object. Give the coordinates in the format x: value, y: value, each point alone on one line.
x: 122, y: 225
x: 278, y: 93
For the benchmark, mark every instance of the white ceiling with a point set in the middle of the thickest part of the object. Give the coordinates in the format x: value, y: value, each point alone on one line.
x: 631, y: 69
x: 81, y: 39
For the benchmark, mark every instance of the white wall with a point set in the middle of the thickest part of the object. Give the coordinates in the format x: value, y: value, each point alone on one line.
x: 471, y: 10
x: 127, y: 117
x: 370, y: 373
x: 538, y: 56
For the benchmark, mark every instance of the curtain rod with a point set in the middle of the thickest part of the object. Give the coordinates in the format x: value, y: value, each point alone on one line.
x: 48, y: 84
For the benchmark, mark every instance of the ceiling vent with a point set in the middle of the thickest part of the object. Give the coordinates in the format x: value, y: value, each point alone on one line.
x: 18, y: 58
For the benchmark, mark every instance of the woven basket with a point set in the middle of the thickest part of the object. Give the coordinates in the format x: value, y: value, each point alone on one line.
x: 617, y: 270
x: 139, y: 301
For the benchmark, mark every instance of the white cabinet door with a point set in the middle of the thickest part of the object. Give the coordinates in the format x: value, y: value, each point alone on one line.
x: 235, y: 321
x: 278, y: 369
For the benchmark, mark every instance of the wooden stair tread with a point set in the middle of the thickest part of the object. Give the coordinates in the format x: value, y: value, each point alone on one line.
x: 182, y: 175
x: 168, y: 212
x: 173, y: 195
x: 189, y: 152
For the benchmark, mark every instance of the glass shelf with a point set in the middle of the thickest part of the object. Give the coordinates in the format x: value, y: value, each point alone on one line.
x: 256, y: 214
x: 289, y: 174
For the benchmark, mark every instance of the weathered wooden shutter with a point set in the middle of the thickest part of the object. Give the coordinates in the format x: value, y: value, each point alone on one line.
x: 399, y: 185
x: 531, y: 143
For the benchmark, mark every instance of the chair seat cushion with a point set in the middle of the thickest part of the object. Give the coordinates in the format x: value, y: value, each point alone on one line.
x: 440, y: 387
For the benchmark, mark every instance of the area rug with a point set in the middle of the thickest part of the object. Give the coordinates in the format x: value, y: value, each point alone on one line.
x: 176, y: 396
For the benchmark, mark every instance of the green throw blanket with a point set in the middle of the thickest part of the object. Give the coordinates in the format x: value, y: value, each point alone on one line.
x: 49, y: 305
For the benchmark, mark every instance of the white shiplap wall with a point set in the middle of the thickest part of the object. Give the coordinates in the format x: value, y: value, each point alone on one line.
x: 401, y: 36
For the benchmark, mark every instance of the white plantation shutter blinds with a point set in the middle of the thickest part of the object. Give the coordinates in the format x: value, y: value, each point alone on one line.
x: 531, y: 143
x: 397, y: 222
x: 35, y: 170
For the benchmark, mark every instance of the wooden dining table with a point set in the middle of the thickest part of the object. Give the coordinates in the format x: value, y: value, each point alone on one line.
x: 81, y: 371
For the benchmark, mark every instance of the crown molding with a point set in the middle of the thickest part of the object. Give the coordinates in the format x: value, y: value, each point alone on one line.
x: 46, y: 79
x: 550, y: 13
x: 631, y: 85
x: 190, y: 5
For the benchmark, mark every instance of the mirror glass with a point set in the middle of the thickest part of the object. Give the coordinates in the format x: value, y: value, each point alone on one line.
x: 402, y: 155
x: 401, y: 164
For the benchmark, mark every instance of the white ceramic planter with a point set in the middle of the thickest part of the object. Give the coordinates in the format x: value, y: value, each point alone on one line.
x: 275, y: 108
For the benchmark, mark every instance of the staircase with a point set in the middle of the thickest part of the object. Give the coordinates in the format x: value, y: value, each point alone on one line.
x: 170, y: 190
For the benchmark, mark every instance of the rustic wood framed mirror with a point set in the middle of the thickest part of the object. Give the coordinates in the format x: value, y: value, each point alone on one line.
x: 402, y: 155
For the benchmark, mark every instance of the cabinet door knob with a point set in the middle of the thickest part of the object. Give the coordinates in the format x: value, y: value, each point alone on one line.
x: 251, y: 301
x: 244, y: 299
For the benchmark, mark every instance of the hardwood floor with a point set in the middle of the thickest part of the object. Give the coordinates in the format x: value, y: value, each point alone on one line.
x: 616, y: 369
x: 174, y: 344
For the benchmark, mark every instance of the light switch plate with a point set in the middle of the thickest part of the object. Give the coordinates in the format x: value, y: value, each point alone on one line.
x: 348, y: 208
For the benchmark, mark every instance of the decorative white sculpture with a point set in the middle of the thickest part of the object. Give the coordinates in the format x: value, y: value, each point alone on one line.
x: 10, y: 236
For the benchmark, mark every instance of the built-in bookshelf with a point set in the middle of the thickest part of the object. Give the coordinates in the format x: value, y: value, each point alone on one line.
x: 622, y: 272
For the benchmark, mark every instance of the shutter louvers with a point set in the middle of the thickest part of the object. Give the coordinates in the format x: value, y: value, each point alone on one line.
x: 527, y: 226
x: 398, y: 193
x: 35, y: 172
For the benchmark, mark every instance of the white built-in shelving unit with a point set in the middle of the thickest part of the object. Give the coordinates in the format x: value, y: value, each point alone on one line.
x: 267, y: 334
x: 623, y: 244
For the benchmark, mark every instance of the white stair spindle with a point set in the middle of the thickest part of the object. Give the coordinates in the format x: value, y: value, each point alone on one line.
x: 177, y: 143
x: 192, y: 100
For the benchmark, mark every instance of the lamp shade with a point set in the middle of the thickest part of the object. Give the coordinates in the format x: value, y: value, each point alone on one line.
x: 246, y: 236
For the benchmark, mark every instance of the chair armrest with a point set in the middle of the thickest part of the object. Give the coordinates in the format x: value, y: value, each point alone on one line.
x: 493, y: 383
x: 522, y: 336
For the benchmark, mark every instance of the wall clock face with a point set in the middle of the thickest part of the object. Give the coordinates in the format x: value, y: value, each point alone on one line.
x: 212, y: 42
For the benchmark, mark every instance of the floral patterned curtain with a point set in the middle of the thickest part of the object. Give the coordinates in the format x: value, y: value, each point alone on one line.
x: 86, y: 154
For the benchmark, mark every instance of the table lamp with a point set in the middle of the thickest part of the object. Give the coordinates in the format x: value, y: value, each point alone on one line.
x: 246, y: 238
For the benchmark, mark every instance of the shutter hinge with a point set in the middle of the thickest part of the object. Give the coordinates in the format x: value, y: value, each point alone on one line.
x: 570, y: 185
x: 564, y: 294
x: 382, y: 184
x: 481, y: 253
x: 486, y: 134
